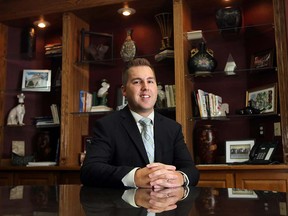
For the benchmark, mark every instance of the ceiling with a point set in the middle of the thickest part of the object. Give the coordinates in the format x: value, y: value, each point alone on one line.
x: 109, y: 12
x: 98, y: 14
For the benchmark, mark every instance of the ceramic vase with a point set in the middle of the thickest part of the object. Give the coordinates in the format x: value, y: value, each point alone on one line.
x: 201, y: 61
x: 128, y: 49
x: 207, y: 144
x: 229, y: 19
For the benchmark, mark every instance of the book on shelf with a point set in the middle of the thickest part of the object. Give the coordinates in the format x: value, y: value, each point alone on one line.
x: 55, y: 113
x: 170, y: 95
x: 85, y: 101
x: 195, y: 106
x: 196, y: 35
x: 206, y: 104
x: 42, y: 163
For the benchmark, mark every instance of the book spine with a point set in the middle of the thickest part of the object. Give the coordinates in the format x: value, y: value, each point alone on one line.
x: 201, y: 94
x: 167, y: 93
x: 195, y: 105
x: 171, y: 94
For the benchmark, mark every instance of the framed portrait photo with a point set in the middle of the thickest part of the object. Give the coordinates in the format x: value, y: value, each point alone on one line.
x: 262, y: 59
x: 238, y: 150
x: 263, y: 98
x: 36, y: 80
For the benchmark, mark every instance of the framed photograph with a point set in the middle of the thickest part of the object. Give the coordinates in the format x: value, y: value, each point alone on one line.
x: 36, y: 80
x: 263, y: 59
x: 263, y: 98
x: 238, y: 150
x: 241, y: 193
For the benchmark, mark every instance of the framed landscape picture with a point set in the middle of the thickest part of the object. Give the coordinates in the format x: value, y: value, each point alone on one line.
x: 263, y: 98
x: 36, y: 80
x: 238, y: 150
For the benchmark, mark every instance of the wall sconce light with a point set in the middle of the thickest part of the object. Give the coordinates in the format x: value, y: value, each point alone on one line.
x: 41, y: 23
x: 126, y: 10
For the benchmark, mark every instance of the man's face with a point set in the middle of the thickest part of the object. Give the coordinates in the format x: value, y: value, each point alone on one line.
x: 141, y: 90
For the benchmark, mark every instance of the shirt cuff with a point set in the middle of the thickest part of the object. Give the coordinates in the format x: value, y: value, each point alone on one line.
x: 186, y: 179
x: 128, y: 179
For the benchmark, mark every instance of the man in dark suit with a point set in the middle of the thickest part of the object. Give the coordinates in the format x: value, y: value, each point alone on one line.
x: 117, y: 156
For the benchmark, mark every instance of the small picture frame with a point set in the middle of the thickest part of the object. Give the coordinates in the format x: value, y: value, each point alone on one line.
x: 238, y: 150
x: 262, y: 59
x: 263, y: 98
x: 36, y: 80
x: 241, y: 193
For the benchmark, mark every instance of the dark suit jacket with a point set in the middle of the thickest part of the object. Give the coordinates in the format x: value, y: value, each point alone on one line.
x: 117, y: 148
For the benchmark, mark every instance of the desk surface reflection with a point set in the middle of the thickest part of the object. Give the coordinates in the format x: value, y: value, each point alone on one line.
x: 79, y: 200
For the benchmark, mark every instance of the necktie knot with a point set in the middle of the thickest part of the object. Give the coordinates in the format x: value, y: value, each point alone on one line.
x: 145, y: 122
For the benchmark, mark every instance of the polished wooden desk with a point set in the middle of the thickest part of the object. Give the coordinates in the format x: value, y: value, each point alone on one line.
x: 78, y: 200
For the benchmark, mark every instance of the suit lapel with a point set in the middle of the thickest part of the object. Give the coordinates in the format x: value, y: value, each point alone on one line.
x: 130, y: 126
x: 158, y: 132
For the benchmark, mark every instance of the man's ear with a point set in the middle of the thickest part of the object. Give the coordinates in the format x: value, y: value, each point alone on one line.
x: 123, y: 89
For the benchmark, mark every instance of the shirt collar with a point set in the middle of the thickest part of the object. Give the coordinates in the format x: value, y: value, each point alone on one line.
x: 138, y: 117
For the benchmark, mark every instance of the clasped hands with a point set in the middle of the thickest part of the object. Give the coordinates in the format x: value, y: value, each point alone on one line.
x: 158, y: 175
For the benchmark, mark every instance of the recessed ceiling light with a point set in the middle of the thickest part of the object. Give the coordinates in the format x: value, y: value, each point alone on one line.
x: 126, y: 11
x: 41, y: 23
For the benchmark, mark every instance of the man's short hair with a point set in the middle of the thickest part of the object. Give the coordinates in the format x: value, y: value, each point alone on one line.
x: 134, y: 63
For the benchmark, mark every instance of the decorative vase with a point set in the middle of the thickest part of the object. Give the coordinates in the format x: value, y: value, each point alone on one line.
x: 165, y: 22
x: 201, y: 61
x: 128, y: 49
x: 207, y: 144
x: 229, y: 19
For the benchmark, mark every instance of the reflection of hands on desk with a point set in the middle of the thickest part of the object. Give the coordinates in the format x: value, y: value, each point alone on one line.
x: 159, y: 200
x: 120, y: 202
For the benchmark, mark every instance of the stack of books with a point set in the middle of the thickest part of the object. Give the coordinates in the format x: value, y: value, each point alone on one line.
x: 53, y: 49
x: 45, y: 121
x: 205, y: 104
x: 85, y: 101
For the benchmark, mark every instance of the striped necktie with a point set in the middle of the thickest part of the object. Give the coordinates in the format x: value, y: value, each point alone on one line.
x: 147, y: 137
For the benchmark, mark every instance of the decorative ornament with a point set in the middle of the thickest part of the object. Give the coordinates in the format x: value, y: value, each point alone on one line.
x: 207, y: 144
x: 16, y: 115
x: 165, y: 22
x: 128, y: 50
